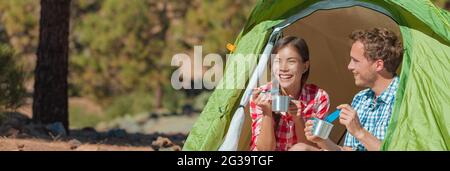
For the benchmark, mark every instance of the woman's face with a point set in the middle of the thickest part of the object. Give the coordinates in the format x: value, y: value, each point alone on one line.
x: 289, y: 68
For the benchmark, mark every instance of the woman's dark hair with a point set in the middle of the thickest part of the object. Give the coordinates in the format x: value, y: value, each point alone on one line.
x: 300, y: 46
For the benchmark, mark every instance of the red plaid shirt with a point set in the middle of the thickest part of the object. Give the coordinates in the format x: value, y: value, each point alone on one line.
x: 313, y: 100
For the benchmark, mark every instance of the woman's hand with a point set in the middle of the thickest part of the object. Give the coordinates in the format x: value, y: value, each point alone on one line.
x: 262, y: 100
x: 294, y: 107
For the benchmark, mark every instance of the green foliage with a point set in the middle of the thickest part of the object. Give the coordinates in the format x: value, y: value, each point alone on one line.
x: 20, y: 20
x: 2, y: 117
x: 213, y: 24
x: 130, y: 104
x: 12, y: 91
x: 80, y: 118
x: 120, y: 51
x: 174, y: 100
x: 119, y: 47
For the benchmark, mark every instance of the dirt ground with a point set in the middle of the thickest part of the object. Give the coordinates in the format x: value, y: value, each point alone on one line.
x: 11, y: 144
x: 18, y: 133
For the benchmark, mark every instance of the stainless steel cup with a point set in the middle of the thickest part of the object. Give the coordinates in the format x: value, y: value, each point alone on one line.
x: 280, y: 103
x: 321, y: 128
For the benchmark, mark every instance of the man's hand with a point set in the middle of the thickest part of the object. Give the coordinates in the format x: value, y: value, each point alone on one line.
x: 308, y: 133
x: 349, y: 118
x: 326, y: 145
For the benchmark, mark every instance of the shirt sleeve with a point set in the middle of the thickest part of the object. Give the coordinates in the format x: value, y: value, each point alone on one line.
x: 256, y: 116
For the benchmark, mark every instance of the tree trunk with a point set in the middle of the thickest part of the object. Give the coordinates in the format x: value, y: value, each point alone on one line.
x: 50, y: 103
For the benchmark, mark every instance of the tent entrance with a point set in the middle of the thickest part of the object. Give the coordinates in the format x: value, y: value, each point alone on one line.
x: 326, y: 32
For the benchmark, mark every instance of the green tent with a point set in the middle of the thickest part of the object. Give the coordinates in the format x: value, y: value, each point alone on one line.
x: 421, y: 114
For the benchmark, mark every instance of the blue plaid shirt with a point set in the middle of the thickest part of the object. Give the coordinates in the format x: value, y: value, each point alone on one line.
x: 374, y: 113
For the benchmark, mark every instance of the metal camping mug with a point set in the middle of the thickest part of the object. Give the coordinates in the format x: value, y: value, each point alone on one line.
x: 321, y: 128
x: 280, y: 103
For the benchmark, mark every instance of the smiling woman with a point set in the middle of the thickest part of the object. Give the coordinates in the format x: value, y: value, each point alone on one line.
x: 281, y: 130
x: 291, y: 64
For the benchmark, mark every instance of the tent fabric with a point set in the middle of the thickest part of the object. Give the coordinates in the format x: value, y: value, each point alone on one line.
x: 419, y: 120
x: 208, y: 132
x: 233, y: 135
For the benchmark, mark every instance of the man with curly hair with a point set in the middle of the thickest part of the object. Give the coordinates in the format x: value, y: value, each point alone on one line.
x: 375, y: 56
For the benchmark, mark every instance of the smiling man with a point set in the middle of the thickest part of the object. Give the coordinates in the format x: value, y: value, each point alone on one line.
x: 375, y: 57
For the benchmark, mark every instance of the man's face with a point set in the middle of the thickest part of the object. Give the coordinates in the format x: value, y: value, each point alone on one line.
x: 364, y: 70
